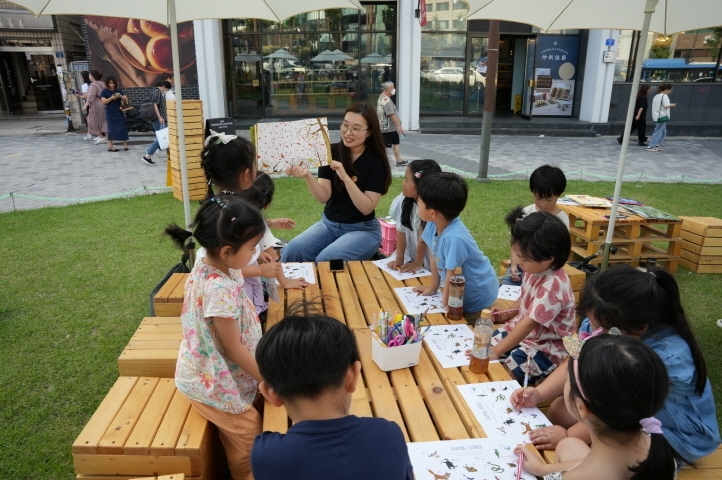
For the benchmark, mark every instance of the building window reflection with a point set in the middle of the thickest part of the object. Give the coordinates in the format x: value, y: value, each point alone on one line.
x: 314, y: 63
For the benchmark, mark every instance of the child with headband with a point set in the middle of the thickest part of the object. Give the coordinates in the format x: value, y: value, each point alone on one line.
x: 615, y: 385
x: 216, y: 367
x: 646, y: 305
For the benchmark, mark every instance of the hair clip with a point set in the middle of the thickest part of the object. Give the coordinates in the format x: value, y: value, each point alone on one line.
x: 418, y: 174
x: 573, y: 343
x: 220, y: 138
x: 233, y: 219
x: 219, y: 202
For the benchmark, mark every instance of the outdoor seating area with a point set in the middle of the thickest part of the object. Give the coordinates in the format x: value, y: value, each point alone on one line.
x: 144, y: 423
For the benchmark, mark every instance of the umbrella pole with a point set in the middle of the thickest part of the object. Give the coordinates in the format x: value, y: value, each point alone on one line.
x: 179, y: 118
x: 641, y: 48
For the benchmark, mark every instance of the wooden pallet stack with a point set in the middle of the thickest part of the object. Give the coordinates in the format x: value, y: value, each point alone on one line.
x: 194, y: 132
x: 702, y: 244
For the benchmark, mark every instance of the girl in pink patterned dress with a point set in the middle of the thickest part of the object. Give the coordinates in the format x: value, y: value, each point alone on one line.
x: 531, y: 338
x: 216, y: 366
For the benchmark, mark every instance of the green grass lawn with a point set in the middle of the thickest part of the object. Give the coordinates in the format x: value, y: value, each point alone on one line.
x: 75, y: 281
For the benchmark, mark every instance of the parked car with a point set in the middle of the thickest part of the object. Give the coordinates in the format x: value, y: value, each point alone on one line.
x: 455, y: 75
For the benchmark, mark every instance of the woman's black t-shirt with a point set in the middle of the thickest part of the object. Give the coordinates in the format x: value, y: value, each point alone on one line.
x: 370, y: 177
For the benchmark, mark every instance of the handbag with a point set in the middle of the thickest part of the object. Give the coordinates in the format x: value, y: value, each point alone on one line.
x: 664, y: 118
x: 162, y: 136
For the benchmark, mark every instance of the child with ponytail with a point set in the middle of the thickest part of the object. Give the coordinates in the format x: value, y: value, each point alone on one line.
x: 411, y: 251
x: 645, y: 305
x: 615, y: 385
x: 216, y: 367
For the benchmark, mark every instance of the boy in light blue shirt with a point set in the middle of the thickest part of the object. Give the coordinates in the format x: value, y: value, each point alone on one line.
x: 441, y: 198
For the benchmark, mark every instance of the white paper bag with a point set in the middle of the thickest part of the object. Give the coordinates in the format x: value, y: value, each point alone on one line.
x: 162, y: 136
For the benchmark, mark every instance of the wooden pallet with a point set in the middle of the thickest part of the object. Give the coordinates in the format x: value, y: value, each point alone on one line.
x: 145, y: 427
x: 168, y: 302
x: 153, y: 349
x: 194, y: 134
x: 636, y: 238
x: 176, y: 476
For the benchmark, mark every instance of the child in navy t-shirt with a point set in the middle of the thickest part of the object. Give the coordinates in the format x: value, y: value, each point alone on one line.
x: 310, y: 364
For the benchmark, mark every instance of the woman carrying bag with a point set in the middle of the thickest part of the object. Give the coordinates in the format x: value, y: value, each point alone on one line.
x: 660, y: 115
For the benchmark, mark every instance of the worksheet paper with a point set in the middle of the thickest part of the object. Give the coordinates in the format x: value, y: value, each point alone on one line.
x: 415, y: 303
x: 509, y: 292
x: 490, y: 404
x: 383, y: 265
x: 473, y: 459
x: 449, y: 343
x: 299, y: 270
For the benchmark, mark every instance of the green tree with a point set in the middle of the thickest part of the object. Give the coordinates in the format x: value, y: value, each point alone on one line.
x: 713, y: 43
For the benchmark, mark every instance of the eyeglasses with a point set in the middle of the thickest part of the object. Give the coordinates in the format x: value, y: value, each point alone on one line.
x: 354, y: 131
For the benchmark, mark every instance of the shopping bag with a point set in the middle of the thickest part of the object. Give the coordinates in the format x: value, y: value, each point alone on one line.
x: 162, y: 136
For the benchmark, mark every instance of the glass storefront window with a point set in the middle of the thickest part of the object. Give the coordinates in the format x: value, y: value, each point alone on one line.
x: 443, y: 58
x: 683, y: 57
x: 440, y: 16
x: 317, y: 62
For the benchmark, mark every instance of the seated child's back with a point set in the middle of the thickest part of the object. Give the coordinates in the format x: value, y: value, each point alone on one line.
x: 310, y: 364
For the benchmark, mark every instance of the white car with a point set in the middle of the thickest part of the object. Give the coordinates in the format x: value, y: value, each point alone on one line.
x: 455, y: 75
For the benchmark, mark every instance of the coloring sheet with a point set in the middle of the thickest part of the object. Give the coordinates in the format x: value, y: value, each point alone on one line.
x: 449, y: 344
x: 299, y: 270
x: 491, y: 406
x: 474, y: 459
x: 509, y: 292
x: 383, y: 265
x: 280, y: 145
x: 415, y: 303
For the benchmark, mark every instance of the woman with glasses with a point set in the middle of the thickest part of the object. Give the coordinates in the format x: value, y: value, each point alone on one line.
x: 350, y: 187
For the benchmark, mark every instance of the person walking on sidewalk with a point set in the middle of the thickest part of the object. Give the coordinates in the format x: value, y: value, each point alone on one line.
x: 157, y: 98
x: 639, y: 121
x: 660, y: 114
x: 96, y: 110
x: 389, y: 120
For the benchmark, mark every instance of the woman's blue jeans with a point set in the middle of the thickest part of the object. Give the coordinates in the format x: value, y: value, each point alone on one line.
x: 155, y: 146
x: 327, y: 240
x: 660, y: 133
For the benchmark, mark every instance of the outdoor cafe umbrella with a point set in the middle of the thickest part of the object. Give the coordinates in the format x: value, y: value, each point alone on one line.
x: 342, y: 56
x: 327, y: 56
x: 663, y: 16
x: 282, y: 54
x: 172, y: 12
x: 373, y: 58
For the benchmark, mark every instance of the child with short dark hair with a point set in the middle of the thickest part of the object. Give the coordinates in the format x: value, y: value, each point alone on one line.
x: 310, y: 364
x: 531, y: 338
x: 547, y: 184
x: 216, y: 368
x: 615, y: 385
x: 441, y: 197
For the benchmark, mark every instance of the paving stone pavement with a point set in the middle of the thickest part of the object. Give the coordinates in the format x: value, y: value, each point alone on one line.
x: 62, y: 169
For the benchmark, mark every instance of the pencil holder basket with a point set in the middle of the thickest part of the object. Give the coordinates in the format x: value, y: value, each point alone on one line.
x: 395, y: 358
x: 388, y: 236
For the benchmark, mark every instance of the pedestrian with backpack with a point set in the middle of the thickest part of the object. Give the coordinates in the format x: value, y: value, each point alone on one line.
x: 157, y: 99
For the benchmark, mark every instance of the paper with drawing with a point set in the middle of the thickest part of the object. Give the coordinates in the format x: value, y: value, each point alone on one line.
x: 449, y: 344
x: 384, y: 265
x: 299, y: 270
x: 492, y: 408
x: 280, y: 145
x: 509, y: 292
x: 415, y: 303
x: 474, y: 459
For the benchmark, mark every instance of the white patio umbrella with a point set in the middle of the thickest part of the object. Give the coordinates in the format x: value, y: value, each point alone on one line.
x: 373, y: 58
x: 342, y: 56
x: 663, y: 16
x: 327, y: 56
x: 171, y: 12
x: 281, y: 54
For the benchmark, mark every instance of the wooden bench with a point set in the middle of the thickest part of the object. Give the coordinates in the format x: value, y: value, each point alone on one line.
x: 145, y: 427
x: 153, y: 349
x: 168, y: 302
x: 176, y: 476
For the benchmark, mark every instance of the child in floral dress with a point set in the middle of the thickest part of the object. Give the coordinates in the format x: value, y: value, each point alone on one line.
x: 216, y: 367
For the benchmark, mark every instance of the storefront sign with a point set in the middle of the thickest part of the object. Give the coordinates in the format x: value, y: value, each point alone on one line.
x: 21, y: 20
x: 220, y: 125
x: 555, y: 75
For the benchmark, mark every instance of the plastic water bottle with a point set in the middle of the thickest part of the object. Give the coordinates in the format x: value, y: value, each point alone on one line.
x: 481, y: 350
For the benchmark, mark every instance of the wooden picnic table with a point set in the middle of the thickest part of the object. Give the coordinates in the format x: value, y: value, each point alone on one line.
x: 423, y: 399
